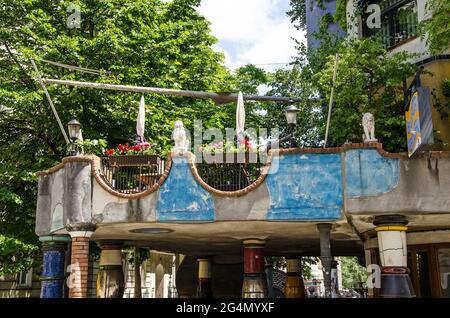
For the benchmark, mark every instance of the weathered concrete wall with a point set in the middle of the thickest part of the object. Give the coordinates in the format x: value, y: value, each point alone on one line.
x: 305, y: 186
x: 423, y: 187
x: 254, y: 207
x: 50, y: 203
x: 107, y: 208
x: 77, y: 196
x: 367, y: 173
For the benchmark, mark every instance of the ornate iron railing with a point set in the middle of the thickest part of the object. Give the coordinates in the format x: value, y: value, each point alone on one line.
x: 132, y: 173
x: 230, y: 176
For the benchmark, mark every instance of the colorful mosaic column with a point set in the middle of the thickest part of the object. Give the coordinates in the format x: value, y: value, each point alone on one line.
x: 53, y: 268
x: 325, y: 256
x: 204, y: 289
x: 79, y: 262
x: 294, y: 287
x: 255, y: 283
x: 110, y: 278
x: 395, y: 280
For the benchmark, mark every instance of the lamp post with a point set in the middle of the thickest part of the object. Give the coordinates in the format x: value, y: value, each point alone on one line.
x: 74, y: 127
x: 291, y: 117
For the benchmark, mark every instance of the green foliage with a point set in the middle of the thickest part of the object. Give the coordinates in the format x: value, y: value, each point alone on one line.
x: 295, y: 83
x: 436, y: 29
x: 133, y: 42
x: 88, y: 146
x: 15, y: 256
x: 94, y: 251
x: 352, y: 272
x: 368, y: 80
x: 306, y: 263
x: 442, y: 105
x: 340, y: 15
x: 297, y: 13
x: 446, y: 88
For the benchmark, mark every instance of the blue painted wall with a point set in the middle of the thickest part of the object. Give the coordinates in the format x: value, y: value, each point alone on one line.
x: 301, y: 186
x: 305, y: 187
x: 182, y: 198
x: 370, y: 174
x: 314, y: 13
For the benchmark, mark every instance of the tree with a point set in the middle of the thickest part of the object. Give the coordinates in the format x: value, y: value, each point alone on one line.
x: 352, y: 272
x: 15, y: 256
x: 368, y: 80
x: 437, y: 28
x: 144, y: 42
x: 294, y: 83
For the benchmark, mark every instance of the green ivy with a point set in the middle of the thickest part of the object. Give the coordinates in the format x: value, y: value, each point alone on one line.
x: 340, y: 15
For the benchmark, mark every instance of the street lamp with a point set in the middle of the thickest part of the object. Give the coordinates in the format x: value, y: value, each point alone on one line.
x: 74, y: 128
x: 291, y: 117
x: 74, y: 133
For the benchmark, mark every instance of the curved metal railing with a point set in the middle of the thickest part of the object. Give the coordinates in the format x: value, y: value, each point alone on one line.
x: 132, y: 174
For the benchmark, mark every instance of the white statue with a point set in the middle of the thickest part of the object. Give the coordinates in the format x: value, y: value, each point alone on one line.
x: 179, y: 136
x: 368, y: 122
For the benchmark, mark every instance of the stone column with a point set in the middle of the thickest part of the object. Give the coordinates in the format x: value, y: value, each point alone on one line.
x: 255, y: 283
x: 294, y: 287
x: 325, y: 256
x: 79, y: 261
x: 53, y: 266
x: 391, y: 233
x: 204, y: 289
x: 110, y: 278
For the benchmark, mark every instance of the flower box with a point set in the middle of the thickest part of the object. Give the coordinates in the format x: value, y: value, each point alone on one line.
x: 134, y: 160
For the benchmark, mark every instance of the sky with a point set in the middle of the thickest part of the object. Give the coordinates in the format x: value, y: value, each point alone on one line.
x: 252, y: 31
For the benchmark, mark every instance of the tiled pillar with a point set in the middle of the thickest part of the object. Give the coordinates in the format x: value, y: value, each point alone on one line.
x: 391, y: 233
x: 110, y: 278
x: 204, y: 289
x: 79, y: 262
x: 325, y: 256
x: 53, y: 266
x: 294, y: 287
x: 255, y: 283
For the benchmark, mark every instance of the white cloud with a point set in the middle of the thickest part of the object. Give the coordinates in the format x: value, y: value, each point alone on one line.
x: 252, y: 31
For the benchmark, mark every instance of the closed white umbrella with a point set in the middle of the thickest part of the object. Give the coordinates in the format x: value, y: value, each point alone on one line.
x: 140, y: 124
x: 240, y: 117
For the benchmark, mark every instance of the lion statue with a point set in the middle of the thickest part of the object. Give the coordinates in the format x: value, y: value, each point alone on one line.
x: 179, y: 136
x: 368, y: 122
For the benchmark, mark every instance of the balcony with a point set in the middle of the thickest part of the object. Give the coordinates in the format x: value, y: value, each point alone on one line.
x: 132, y: 174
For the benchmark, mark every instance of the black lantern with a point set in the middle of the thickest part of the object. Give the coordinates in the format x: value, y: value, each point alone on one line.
x: 74, y: 129
x: 291, y: 117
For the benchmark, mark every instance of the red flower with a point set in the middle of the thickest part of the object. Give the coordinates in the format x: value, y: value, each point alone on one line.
x: 246, y: 143
x: 109, y: 152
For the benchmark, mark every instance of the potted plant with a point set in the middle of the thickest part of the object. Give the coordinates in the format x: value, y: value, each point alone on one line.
x: 136, y: 155
x: 244, y: 151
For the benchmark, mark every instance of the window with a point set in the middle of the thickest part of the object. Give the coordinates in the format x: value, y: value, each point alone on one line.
x: 444, y: 271
x: 398, y: 21
x: 24, y: 279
